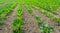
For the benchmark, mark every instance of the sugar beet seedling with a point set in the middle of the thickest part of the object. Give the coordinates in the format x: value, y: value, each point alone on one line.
x: 44, y: 28
x: 38, y: 19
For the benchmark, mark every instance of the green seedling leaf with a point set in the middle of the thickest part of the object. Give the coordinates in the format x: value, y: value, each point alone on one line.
x: 51, y: 29
x: 57, y: 20
x: 17, y: 23
x: 1, y: 20
x: 38, y: 19
x: 46, y: 25
x: 44, y: 28
x: 3, y: 15
x: 17, y: 31
x: 19, y: 12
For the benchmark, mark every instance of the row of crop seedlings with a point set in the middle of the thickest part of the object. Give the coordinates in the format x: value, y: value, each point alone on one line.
x: 18, y: 21
x: 44, y: 28
x: 5, y: 10
x: 37, y: 18
x: 39, y: 5
x: 50, y: 15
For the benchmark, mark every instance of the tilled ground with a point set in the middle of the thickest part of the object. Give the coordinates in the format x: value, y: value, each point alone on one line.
x: 30, y: 26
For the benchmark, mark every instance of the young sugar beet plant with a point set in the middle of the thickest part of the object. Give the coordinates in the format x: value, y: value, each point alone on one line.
x: 44, y: 28
x: 38, y: 19
x: 57, y: 20
x: 1, y: 20
x: 18, y: 22
x: 29, y: 9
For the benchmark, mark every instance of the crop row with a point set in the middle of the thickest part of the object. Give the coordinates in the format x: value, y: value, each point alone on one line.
x: 55, y: 13
x: 5, y: 10
x: 50, y: 15
x: 18, y: 22
x: 48, y: 5
x: 45, y: 6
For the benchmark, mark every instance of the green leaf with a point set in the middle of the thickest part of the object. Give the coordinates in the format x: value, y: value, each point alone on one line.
x: 17, y: 23
x: 46, y: 25
x: 57, y: 20
x: 51, y: 29
x: 17, y: 31
x: 1, y: 20
x: 38, y: 19
x: 45, y: 28
x: 3, y: 15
